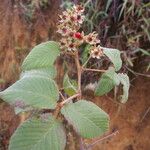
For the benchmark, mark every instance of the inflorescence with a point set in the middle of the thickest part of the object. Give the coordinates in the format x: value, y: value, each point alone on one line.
x: 69, y: 25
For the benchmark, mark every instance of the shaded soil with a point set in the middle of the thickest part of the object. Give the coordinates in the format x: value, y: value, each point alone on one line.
x: 132, y: 120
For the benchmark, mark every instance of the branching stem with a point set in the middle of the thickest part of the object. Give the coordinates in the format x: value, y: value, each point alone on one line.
x: 69, y: 99
x: 60, y: 105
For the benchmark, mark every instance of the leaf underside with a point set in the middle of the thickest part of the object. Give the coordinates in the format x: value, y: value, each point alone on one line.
x: 107, y: 82
x: 114, y: 56
x: 124, y: 80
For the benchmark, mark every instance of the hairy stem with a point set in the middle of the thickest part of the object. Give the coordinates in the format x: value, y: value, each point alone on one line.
x: 94, y: 70
x: 79, y: 72
x: 104, y: 138
x: 60, y: 105
x: 57, y: 110
x: 69, y: 99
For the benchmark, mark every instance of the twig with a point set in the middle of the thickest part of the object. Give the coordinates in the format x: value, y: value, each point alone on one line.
x: 57, y: 110
x: 60, y: 105
x: 147, y: 111
x: 94, y: 70
x: 69, y: 99
x: 137, y: 73
x: 86, y: 62
x: 79, y: 71
x: 68, y: 53
x: 104, y: 138
x: 62, y: 95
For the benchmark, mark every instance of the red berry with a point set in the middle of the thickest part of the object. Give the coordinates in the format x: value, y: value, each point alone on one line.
x: 78, y: 35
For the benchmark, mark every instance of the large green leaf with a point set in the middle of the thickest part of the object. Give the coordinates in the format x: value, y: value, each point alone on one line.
x: 41, y: 56
x: 124, y: 80
x: 70, y: 86
x: 107, y: 82
x: 35, y: 91
x: 114, y: 56
x: 48, y: 72
x: 87, y: 119
x: 38, y: 134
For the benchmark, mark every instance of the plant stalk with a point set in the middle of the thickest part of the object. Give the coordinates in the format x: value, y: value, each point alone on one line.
x: 68, y: 99
x: 79, y: 72
x: 94, y: 70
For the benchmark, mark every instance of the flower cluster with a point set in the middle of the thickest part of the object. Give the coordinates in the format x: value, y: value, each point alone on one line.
x: 69, y: 24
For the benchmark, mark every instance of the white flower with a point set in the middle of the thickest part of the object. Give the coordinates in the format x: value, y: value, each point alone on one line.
x: 72, y: 47
x: 80, y: 18
x: 78, y: 8
x: 92, y: 38
x: 96, y: 52
x: 63, y: 30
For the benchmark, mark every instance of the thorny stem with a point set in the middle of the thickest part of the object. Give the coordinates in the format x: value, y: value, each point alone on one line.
x: 79, y: 72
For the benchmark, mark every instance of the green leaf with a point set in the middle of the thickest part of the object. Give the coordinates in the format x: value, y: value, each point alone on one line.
x: 48, y: 72
x: 124, y: 80
x: 34, y: 91
x: 87, y: 118
x: 108, y: 5
x: 114, y: 56
x: 85, y: 53
x: 145, y: 52
x: 41, y: 56
x: 107, y: 82
x: 70, y: 86
x: 37, y: 134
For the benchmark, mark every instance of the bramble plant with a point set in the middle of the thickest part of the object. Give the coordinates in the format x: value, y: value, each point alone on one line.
x: 37, y: 90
